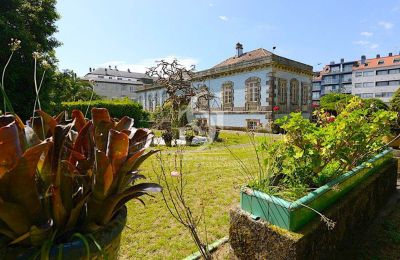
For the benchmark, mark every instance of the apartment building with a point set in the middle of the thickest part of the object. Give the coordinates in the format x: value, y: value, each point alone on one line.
x: 316, y: 87
x: 378, y: 77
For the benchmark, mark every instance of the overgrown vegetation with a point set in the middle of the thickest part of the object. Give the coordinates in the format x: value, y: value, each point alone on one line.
x: 313, y: 154
x: 118, y: 108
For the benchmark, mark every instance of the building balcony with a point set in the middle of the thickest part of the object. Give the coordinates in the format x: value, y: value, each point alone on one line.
x: 330, y: 81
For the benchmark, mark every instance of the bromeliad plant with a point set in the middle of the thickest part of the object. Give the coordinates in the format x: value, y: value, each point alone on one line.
x: 59, y: 177
x: 312, y: 154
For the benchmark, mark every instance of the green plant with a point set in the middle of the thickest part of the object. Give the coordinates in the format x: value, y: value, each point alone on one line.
x: 61, y: 177
x: 118, y: 108
x: 189, y: 135
x: 312, y: 154
x: 334, y: 102
x: 167, y: 136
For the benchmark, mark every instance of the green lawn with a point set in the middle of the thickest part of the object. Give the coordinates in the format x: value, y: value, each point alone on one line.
x: 212, y: 175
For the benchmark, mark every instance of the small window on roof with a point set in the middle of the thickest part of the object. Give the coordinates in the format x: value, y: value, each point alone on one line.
x: 380, y: 62
x: 396, y: 60
x: 366, y: 64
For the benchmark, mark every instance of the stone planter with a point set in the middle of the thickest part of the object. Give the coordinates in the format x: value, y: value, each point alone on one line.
x: 108, y: 237
x: 252, y: 237
x: 294, y: 215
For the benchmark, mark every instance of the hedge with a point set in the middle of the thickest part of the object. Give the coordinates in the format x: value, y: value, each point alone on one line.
x: 117, y: 109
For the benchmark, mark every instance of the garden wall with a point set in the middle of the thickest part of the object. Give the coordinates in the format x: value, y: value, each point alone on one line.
x: 256, y: 239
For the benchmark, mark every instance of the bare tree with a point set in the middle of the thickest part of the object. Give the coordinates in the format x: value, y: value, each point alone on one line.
x: 176, y: 79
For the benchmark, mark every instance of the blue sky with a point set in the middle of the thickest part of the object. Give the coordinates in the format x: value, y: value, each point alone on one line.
x: 133, y: 34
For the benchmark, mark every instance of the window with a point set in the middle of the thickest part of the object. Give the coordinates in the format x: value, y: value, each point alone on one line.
x: 380, y: 62
x: 335, y: 68
x: 123, y: 88
x: 282, y: 91
x: 316, y: 95
x: 252, y: 124
x: 358, y: 74
x: 202, y: 101
x: 227, y: 95
x: 394, y: 83
x: 396, y: 60
x: 358, y: 85
x: 164, y: 96
x: 367, y: 95
x: 382, y: 83
x: 253, y: 92
x: 150, y: 102
x: 304, y: 95
x: 102, y: 77
x: 383, y: 94
x: 394, y: 71
x: 366, y: 64
x: 132, y: 89
x: 253, y: 86
x: 368, y: 73
x: 294, y: 91
x: 381, y: 72
x: 119, y: 78
x: 368, y: 84
x: 156, y: 99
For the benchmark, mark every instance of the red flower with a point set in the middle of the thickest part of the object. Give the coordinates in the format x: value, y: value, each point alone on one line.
x: 315, y: 105
x: 330, y: 119
x: 275, y: 108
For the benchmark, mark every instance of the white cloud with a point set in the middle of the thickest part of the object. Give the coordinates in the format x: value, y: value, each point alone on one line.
x: 374, y: 46
x: 223, y: 18
x: 367, y: 44
x: 386, y: 25
x: 210, y: 4
x: 144, y: 64
x: 366, y: 34
x: 361, y: 42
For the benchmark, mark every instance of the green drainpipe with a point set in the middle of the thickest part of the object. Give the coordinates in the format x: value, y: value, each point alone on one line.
x: 211, y: 247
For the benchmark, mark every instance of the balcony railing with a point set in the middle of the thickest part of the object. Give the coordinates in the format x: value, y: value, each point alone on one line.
x: 330, y: 81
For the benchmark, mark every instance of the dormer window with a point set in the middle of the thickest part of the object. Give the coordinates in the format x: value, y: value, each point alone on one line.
x: 396, y: 60
x: 380, y: 62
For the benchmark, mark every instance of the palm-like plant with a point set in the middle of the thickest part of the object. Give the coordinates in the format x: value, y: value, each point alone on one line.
x: 60, y: 176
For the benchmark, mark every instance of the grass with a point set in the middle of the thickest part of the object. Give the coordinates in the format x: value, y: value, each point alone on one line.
x: 213, y: 176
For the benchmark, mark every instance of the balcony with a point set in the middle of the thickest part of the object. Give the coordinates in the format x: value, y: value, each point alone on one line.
x: 330, y: 81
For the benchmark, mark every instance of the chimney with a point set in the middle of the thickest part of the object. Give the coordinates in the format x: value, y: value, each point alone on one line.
x: 115, y: 67
x: 109, y: 66
x: 363, y: 59
x: 239, y: 49
x: 378, y: 56
x: 390, y: 54
x: 341, y: 60
x: 90, y: 69
x: 129, y: 70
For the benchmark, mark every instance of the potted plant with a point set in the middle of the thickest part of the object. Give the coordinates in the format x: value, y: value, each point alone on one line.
x: 317, y: 163
x: 167, y: 137
x: 189, y: 135
x: 64, y: 184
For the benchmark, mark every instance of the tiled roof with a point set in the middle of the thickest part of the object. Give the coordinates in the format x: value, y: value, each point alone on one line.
x: 118, y: 73
x: 247, y: 56
x: 375, y: 63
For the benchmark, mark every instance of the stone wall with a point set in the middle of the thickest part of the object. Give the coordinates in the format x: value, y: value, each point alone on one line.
x: 256, y: 239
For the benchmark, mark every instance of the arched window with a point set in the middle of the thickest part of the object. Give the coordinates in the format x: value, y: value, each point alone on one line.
x: 227, y: 95
x: 294, y: 91
x: 164, y: 96
x: 150, y: 102
x: 139, y: 100
x: 202, y: 101
x: 253, y: 93
x: 156, y: 101
x: 282, y: 91
x: 305, y: 94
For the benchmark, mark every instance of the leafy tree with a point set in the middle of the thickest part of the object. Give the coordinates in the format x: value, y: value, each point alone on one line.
x: 334, y: 102
x: 32, y: 22
x: 67, y: 87
x: 376, y: 103
x: 395, y: 101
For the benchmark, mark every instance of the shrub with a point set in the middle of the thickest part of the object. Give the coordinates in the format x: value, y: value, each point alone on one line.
x: 334, y: 102
x: 117, y: 108
x: 395, y: 101
x: 312, y: 154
